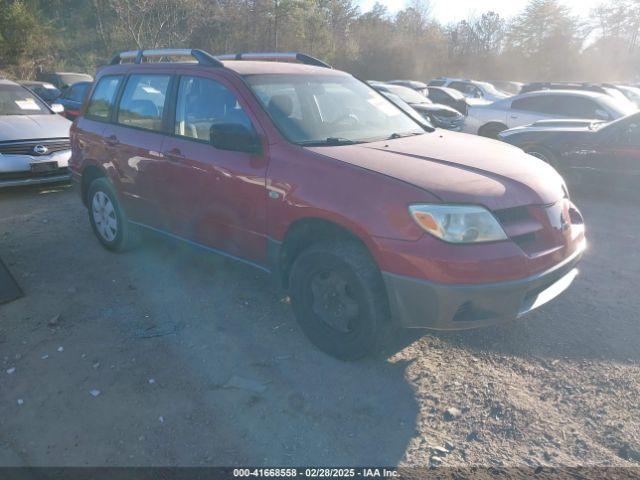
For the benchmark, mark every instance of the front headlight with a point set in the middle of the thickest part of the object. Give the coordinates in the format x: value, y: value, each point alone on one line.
x: 458, y: 223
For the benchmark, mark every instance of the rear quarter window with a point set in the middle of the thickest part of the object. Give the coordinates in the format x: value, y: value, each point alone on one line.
x: 103, y: 98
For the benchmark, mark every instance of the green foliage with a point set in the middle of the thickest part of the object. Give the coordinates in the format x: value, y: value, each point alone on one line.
x: 544, y: 42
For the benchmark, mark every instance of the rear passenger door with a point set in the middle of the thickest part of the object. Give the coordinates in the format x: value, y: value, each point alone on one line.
x: 530, y: 109
x: 134, y: 140
x: 221, y: 194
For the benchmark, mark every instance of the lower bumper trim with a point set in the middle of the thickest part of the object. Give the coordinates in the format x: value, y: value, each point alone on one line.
x: 19, y: 182
x: 417, y: 303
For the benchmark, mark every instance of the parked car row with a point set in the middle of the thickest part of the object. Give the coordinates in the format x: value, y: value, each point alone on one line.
x: 63, y: 88
x: 438, y: 115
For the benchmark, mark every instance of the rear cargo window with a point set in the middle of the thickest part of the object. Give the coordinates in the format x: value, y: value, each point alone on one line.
x: 143, y: 101
x: 103, y: 97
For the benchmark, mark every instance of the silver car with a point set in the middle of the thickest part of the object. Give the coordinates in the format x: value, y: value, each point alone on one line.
x: 489, y: 120
x: 34, y: 139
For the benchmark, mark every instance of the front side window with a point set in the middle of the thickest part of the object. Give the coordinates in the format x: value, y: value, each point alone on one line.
x: 329, y: 109
x: 203, y: 102
x: 17, y: 100
x: 103, y: 97
x: 578, y: 107
x: 143, y: 100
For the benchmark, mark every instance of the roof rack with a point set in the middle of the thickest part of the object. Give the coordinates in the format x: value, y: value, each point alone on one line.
x: 278, y: 56
x: 138, y: 56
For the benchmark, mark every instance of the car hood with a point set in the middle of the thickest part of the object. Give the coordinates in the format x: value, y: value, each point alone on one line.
x: 555, y: 126
x: 458, y: 168
x: 435, y: 108
x: 474, y: 102
x: 31, y: 127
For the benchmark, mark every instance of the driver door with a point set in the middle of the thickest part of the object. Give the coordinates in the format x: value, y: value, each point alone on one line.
x: 614, y: 162
x: 220, y: 194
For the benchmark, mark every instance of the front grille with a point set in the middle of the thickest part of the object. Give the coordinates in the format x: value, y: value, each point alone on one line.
x: 27, y: 148
x: 520, y: 225
x: 512, y: 215
x: 26, y: 175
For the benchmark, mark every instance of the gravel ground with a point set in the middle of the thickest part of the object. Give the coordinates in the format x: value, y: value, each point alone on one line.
x: 168, y: 356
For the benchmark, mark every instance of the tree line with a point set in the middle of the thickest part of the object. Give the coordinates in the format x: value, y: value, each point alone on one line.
x: 545, y: 41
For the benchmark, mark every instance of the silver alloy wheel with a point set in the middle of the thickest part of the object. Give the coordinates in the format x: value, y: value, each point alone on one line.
x: 104, y: 216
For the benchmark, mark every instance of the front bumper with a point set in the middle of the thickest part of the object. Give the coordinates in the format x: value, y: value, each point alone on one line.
x: 15, y: 170
x: 419, y: 303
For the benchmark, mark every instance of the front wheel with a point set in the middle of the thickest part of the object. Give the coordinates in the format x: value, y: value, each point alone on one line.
x: 107, y: 219
x: 492, y: 130
x: 339, y: 299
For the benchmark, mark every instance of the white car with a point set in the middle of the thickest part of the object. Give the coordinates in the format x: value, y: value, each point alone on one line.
x: 489, y: 120
x: 478, y: 92
x: 34, y: 139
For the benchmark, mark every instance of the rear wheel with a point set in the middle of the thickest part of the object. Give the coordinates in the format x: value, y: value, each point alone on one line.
x: 339, y: 299
x: 107, y: 219
x: 491, y: 130
x: 543, y: 154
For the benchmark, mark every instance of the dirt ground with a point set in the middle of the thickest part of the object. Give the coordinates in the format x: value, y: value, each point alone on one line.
x: 169, y: 356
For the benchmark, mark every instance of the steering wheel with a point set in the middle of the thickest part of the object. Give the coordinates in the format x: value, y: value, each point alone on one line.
x: 352, y: 117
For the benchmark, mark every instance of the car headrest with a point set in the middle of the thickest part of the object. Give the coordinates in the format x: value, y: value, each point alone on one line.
x: 281, y: 105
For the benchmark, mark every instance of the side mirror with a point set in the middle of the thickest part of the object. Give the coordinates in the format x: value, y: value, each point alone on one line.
x: 235, y: 137
x: 57, y: 108
x: 602, y: 115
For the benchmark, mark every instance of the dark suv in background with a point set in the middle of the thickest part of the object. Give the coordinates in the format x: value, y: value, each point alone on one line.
x: 63, y: 80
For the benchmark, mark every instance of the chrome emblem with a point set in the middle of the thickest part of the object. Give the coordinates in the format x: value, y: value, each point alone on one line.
x: 40, y: 150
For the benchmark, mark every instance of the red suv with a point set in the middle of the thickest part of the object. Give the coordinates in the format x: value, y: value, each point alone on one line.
x: 369, y: 219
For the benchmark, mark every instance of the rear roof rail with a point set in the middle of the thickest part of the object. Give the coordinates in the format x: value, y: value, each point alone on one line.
x: 138, y: 56
x: 276, y: 56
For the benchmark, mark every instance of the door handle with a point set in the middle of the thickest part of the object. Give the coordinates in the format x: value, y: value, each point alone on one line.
x: 514, y: 116
x: 174, y: 155
x: 112, y: 140
x: 585, y: 152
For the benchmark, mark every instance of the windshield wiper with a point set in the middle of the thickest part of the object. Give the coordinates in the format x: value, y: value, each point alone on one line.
x: 329, y: 141
x: 393, y: 136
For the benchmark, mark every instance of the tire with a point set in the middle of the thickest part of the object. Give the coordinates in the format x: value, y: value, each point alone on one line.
x: 107, y: 218
x: 543, y: 154
x: 491, y: 130
x: 340, y: 301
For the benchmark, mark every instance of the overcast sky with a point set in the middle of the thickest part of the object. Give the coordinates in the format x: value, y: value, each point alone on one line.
x: 453, y: 10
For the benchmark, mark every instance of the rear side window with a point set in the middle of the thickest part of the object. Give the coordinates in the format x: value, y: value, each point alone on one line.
x: 143, y: 100
x: 103, y: 97
x: 538, y: 104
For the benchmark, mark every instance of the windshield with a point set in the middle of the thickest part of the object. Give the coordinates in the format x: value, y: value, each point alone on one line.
x: 46, y: 91
x: 72, y: 78
x: 621, y: 107
x: 407, y: 94
x: 17, y: 100
x: 489, y: 88
x: 329, y: 109
x: 408, y: 109
x: 632, y: 93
